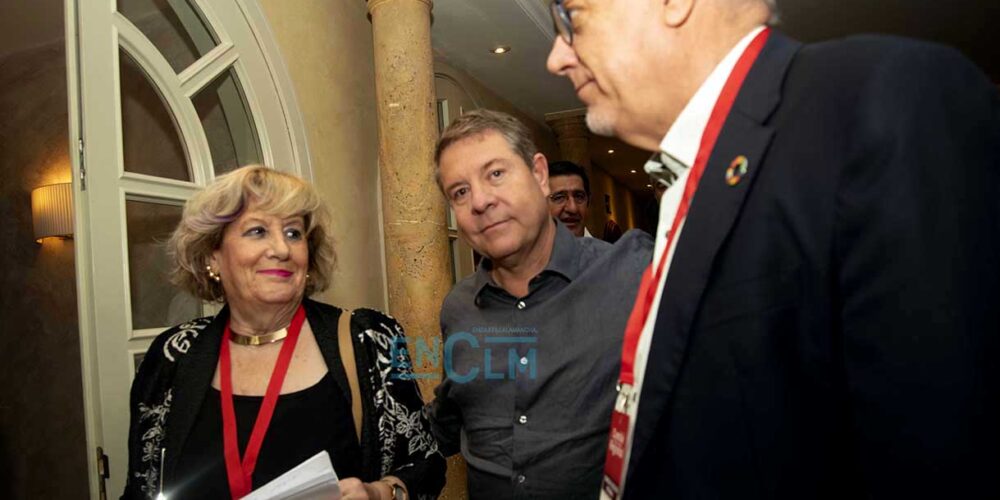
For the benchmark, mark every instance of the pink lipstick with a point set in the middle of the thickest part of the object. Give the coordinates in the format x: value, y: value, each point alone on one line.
x: 281, y: 273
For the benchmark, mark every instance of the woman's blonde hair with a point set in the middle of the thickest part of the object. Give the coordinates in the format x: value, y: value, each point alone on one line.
x: 208, y: 212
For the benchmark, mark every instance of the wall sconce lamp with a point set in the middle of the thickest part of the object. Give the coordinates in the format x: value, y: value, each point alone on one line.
x: 52, y: 211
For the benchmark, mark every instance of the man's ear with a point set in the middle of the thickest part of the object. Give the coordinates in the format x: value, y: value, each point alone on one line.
x: 676, y: 12
x: 540, y: 169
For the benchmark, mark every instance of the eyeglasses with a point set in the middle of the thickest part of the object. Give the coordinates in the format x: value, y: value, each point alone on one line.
x: 560, y: 198
x: 562, y: 21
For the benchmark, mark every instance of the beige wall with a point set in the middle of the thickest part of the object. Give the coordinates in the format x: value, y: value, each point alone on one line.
x: 465, y: 92
x: 42, y: 433
x: 327, y: 47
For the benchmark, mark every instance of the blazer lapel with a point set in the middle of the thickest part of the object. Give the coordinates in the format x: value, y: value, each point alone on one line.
x: 714, y: 209
x: 193, y: 379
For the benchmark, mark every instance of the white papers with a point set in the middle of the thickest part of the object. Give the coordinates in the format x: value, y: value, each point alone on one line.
x: 313, y: 479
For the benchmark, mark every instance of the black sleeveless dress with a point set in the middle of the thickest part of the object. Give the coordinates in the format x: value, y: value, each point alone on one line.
x: 304, y: 423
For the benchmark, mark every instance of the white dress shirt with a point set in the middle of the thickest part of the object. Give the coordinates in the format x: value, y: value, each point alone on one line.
x: 679, y: 145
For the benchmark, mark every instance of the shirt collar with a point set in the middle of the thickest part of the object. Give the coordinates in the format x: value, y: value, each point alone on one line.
x: 680, y: 146
x: 564, y: 261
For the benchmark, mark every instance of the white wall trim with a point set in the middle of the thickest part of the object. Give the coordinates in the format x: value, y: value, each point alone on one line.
x: 84, y: 302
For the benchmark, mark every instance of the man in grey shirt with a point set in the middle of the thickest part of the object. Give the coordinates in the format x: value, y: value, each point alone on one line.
x: 533, y: 338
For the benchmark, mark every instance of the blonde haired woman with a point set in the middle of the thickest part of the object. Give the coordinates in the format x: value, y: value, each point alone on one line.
x: 222, y: 405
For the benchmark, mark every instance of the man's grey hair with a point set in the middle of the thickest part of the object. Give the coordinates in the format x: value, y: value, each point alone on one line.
x: 478, y: 122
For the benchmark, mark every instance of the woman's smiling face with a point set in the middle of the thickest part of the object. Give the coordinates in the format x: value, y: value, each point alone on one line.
x: 263, y: 259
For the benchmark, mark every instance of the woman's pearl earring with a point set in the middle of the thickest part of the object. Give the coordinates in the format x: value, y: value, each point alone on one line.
x: 217, y: 277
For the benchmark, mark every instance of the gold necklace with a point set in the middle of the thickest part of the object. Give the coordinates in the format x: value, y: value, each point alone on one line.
x: 255, y: 340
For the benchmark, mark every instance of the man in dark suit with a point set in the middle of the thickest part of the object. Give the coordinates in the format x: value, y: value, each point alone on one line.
x: 825, y: 318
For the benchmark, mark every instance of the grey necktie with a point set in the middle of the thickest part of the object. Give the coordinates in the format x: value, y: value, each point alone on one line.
x: 664, y: 168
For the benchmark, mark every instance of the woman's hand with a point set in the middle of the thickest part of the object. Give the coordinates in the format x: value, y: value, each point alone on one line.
x: 353, y: 489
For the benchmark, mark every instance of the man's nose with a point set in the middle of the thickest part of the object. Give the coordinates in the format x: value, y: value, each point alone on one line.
x: 561, y: 57
x: 481, y: 200
x: 571, y: 206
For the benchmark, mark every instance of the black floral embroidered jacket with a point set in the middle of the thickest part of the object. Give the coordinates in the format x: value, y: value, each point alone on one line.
x: 177, y: 372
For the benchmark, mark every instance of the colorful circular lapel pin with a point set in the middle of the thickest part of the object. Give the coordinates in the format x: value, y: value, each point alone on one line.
x: 737, y: 169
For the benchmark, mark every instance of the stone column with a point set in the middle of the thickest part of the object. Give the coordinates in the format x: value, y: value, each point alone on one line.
x: 413, y: 210
x: 570, y: 128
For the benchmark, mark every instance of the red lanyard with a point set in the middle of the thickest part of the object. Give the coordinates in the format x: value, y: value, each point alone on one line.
x: 647, y: 288
x: 240, y: 474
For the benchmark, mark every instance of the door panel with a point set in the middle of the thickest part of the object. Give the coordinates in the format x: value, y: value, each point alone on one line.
x: 225, y: 117
x: 154, y: 302
x: 151, y: 142
x: 176, y: 27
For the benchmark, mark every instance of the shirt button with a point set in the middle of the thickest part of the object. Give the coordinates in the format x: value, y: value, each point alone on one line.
x: 524, y: 360
x: 521, y: 304
x: 520, y: 478
x: 523, y: 419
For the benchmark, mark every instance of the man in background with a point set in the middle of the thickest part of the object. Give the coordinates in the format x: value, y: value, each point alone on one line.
x: 570, y: 196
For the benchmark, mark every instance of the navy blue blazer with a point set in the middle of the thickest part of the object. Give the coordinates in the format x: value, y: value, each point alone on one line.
x: 829, y: 321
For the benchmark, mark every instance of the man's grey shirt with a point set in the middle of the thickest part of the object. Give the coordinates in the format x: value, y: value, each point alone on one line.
x: 530, y: 382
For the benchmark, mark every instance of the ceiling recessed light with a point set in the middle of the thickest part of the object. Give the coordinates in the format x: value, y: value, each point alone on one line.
x: 500, y: 49
x: 633, y: 171
x: 611, y: 151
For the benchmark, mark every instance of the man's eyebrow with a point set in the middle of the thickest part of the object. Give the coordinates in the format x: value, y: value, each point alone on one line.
x: 490, y: 163
x: 485, y: 166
